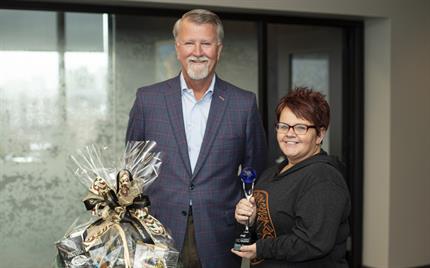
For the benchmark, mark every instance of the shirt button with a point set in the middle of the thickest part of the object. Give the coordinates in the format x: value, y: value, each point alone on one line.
x: 184, y: 213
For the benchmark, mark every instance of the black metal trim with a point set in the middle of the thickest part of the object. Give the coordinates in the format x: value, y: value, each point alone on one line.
x: 262, y: 72
x: 353, y: 135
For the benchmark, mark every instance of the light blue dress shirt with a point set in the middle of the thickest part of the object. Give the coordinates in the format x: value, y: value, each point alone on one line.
x: 195, y: 118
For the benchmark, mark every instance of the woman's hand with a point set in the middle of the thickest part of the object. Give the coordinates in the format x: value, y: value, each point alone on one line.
x: 246, y: 211
x: 248, y: 252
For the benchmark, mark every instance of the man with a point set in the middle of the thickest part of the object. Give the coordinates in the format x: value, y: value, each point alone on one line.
x: 207, y: 129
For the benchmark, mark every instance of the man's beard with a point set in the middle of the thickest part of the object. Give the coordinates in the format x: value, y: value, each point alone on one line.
x: 197, y: 73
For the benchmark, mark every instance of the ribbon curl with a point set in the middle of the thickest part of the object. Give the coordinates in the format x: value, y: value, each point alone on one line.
x: 124, y: 205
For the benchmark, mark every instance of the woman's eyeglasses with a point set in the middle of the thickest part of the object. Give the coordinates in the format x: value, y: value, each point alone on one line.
x: 299, y: 129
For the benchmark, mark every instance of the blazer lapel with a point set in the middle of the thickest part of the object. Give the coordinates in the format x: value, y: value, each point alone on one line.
x: 174, y: 109
x: 216, y: 113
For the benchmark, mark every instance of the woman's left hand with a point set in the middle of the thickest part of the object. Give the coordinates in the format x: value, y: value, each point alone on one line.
x: 248, y: 252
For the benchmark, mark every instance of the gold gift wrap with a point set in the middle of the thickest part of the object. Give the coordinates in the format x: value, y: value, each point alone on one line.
x: 123, y: 233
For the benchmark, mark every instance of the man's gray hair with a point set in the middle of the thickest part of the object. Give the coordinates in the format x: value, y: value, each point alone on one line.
x: 201, y: 16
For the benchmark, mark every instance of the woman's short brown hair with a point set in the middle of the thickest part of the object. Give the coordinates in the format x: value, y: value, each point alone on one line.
x: 307, y: 104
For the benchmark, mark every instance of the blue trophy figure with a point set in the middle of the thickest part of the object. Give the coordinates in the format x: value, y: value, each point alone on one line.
x: 248, y: 176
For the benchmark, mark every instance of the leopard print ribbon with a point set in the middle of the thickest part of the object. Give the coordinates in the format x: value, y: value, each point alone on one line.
x: 103, y: 202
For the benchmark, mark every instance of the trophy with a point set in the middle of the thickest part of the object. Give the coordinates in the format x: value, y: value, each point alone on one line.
x: 248, y: 176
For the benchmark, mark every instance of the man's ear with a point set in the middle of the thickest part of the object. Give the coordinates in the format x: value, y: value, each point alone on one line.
x: 220, y: 46
x: 177, y: 50
x: 321, y: 136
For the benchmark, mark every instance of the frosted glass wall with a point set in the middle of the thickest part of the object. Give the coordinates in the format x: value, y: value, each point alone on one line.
x: 54, y: 99
x: 66, y: 81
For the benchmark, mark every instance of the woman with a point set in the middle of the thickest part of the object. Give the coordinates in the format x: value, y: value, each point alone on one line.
x: 300, y: 208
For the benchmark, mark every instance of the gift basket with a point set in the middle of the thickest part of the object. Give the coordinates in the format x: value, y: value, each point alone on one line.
x: 121, y: 232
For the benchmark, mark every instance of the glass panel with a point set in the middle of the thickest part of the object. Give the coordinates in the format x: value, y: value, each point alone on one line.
x: 33, y: 191
x: 88, y: 110
x: 51, y: 104
x: 28, y: 30
x: 84, y: 32
x: 239, y: 59
x: 296, y: 59
x: 312, y: 70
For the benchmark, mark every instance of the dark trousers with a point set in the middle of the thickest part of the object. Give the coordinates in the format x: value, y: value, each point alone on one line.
x: 189, y: 257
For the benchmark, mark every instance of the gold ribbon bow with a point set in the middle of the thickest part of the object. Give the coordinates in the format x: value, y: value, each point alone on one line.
x: 123, y: 205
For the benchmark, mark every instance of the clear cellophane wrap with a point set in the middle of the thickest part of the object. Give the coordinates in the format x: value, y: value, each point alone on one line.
x: 121, y: 232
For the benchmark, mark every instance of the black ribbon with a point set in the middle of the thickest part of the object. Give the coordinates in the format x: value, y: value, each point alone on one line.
x: 111, y: 200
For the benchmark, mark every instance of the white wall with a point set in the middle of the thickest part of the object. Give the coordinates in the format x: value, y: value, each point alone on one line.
x: 409, y: 165
x: 397, y: 110
x: 376, y: 194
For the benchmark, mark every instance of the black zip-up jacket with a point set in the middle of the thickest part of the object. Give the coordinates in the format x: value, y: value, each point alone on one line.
x: 302, y: 215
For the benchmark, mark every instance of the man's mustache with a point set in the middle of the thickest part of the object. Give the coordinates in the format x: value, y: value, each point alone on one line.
x: 190, y: 59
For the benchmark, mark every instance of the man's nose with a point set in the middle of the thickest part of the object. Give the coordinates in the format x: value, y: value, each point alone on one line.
x: 197, y: 49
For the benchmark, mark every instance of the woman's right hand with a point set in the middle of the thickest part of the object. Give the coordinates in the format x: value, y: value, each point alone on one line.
x: 246, y: 210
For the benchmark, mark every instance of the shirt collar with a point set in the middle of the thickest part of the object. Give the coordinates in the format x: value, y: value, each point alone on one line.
x: 185, y: 88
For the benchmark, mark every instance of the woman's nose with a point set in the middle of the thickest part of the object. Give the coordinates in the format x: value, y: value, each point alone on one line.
x: 291, y: 132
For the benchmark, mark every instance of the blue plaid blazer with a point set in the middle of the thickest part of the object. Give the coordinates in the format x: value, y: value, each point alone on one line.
x: 234, y: 137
